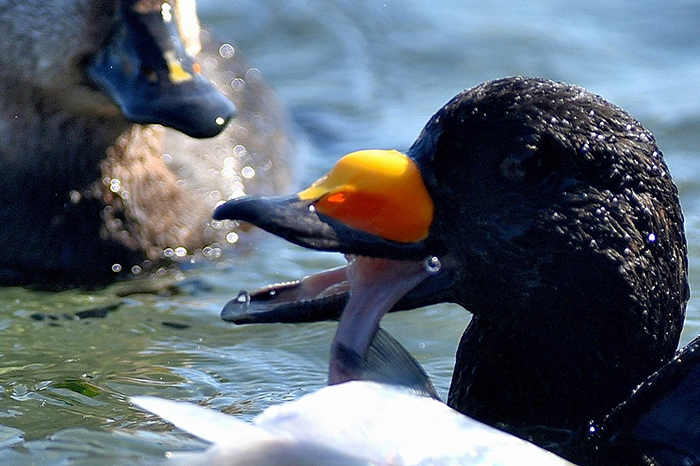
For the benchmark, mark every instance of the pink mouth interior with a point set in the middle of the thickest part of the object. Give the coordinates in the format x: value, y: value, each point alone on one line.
x: 376, y: 285
x: 373, y: 287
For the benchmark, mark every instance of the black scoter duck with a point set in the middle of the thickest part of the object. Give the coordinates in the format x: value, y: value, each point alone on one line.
x: 90, y: 181
x: 550, y: 215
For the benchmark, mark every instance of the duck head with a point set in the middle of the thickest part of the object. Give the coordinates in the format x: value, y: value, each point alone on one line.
x: 542, y: 209
x: 120, y: 60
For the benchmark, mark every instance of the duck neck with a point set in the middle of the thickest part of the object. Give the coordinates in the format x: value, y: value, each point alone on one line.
x: 555, y: 358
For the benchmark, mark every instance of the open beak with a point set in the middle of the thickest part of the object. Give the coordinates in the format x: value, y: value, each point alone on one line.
x: 374, y: 207
x: 146, y: 71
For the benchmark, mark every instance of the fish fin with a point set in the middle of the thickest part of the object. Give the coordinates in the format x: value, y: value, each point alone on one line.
x: 388, y: 362
x: 207, y: 424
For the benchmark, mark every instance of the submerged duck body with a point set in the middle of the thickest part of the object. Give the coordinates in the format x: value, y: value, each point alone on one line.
x: 554, y: 221
x: 89, y: 186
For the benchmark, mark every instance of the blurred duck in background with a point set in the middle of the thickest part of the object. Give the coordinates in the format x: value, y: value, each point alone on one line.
x: 100, y: 102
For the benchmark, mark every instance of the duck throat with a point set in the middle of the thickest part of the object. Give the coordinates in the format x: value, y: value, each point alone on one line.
x: 553, y: 372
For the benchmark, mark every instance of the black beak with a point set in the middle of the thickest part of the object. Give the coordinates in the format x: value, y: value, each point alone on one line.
x: 146, y: 71
x: 297, y: 221
x: 352, y: 210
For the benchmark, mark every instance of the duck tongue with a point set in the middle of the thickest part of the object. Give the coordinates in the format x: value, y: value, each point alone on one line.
x: 376, y: 285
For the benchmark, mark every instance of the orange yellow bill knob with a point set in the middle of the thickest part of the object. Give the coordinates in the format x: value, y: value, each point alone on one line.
x: 377, y: 191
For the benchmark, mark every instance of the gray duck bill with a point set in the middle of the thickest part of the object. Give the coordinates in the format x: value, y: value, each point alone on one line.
x: 146, y: 71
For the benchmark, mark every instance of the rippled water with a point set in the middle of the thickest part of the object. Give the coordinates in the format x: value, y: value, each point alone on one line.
x: 354, y: 74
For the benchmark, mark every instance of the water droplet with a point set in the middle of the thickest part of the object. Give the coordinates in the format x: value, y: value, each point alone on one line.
x: 166, y: 12
x: 180, y: 251
x: 243, y: 298
x: 228, y: 173
x: 651, y: 238
x: 232, y: 237
x: 116, y: 268
x: 247, y: 172
x: 238, y: 84
x: 227, y: 51
x: 312, y: 209
x: 136, y: 269
x: 75, y: 196
x: 115, y: 185
x: 432, y: 264
x: 253, y: 75
x: 220, y: 121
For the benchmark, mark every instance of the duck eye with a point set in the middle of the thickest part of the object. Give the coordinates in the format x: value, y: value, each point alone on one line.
x: 533, y: 162
x: 521, y: 165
